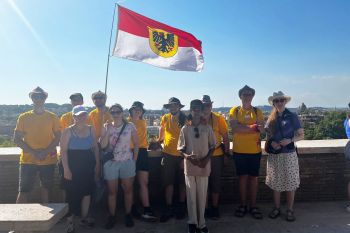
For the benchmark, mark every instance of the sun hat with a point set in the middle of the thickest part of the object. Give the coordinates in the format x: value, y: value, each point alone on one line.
x: 246, y: 88
x: 278, y: 95
x: 173, y: 100
x: 206, y: 99
x: 137, y: 104
x: 38, y: 90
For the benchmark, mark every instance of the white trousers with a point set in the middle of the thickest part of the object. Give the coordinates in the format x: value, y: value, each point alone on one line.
x: 196, y: 191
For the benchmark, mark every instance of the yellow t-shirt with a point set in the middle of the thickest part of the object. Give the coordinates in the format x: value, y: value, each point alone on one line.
x: 247, y: 143
x: 141, y: 127
x: 219, y: 126
x: 66, y: 120
x: 97, y: 119
x: 38, y: 133
x: 171, y: 134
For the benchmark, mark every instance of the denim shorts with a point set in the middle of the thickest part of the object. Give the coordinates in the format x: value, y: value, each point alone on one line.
x: 27, y: 175
x: 113, y: 170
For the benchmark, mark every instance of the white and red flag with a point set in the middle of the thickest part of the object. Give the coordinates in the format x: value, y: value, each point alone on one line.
x: 142, y: 39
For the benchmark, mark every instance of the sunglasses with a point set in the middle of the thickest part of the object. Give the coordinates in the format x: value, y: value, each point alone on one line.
x: 279, y: 100
x: 196, y: 130
x: 99, y: 98
x: 38, y: 97
x: 115, y: 112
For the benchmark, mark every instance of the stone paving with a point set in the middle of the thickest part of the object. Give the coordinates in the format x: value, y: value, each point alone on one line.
x: 312, y: 217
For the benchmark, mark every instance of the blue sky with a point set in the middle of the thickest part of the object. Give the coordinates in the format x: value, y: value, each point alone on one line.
x: 301, y: 47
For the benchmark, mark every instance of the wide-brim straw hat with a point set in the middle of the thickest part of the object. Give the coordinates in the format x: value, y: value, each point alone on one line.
x: 278, y: 95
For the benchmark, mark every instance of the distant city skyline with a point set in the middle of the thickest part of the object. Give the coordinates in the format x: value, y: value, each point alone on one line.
x: 299, y: 47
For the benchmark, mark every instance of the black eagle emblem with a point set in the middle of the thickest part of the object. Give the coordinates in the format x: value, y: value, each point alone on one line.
x: 163, y: 42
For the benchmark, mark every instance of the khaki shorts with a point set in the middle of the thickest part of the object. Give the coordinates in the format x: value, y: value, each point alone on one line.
x: 172, y: 171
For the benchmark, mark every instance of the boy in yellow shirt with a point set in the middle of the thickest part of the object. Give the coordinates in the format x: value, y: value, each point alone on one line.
x: 247, y: 122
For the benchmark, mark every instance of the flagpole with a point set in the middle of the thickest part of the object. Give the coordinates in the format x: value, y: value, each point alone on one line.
x: 109, y: 48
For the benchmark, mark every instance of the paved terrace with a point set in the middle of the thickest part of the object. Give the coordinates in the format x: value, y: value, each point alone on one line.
x: 314, y: 217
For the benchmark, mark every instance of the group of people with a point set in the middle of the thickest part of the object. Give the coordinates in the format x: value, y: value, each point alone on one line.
x: 103, y: 143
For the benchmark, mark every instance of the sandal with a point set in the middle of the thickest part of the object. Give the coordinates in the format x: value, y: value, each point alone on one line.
x: 290, y: 216
x: 275, y: 213
x: 241, y: 211
x: 255, y: 212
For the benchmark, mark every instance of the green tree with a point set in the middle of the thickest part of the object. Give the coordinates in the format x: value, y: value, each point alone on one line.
x: 331, y: 127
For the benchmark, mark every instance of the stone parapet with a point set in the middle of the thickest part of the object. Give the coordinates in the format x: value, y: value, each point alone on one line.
x: 324, y: 174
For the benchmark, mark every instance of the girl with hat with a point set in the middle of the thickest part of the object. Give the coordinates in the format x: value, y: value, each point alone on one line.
x: 282, y: 173
x: 136, y: 117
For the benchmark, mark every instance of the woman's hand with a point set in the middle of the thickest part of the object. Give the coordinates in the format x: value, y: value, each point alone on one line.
x: 275, y: 145
x: 67, y: 174
x: 285, y: 141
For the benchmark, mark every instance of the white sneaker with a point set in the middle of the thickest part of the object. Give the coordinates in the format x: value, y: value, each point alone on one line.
x: 348, y: 208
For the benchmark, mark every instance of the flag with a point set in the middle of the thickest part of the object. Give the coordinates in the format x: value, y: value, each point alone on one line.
x: 143, y: 39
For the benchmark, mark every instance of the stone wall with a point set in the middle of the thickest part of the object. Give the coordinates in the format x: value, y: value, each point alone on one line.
x: 323, y: 170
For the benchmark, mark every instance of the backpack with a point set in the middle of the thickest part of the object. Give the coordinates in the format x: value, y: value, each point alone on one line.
x: 239, y: 108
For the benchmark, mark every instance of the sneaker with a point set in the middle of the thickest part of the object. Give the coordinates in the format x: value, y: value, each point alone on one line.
x: 180, y: 211
x: 110, y: 222
x: 167, y: 214
x: 70, y: 226
x: 87, y: 223
x: 128, y: 221
x: 192, y: 228
x: 204, y: 230
x: 148, y: 215
x: 214, y: 213
x: 348, y: 208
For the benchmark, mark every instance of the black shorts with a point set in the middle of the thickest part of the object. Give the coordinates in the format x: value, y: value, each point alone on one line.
x: 247, y: 164
x: 172, y: 170
x: 142, y: 163
x: 217, y: 163
x: 27, y: 175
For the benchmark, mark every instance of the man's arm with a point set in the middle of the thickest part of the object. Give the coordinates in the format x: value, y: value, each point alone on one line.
x: 18, y: 139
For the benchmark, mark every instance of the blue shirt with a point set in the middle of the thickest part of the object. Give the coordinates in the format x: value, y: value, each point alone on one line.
x: 286, y: 125
x: 347, y: 128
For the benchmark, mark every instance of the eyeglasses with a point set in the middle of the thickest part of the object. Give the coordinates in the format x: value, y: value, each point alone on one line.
x: 115, y: 112
x: 196, y: 130
x: 279, y: 100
